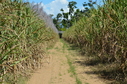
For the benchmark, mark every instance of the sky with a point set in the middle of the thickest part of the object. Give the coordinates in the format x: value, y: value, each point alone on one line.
x: 54, y: 6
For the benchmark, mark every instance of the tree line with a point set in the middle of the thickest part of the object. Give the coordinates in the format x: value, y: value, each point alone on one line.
x: 65, y: 20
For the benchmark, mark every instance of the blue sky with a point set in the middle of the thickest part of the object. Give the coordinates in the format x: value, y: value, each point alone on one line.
x: 54, y: 6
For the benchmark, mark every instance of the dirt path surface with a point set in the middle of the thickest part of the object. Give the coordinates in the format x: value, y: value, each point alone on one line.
x: 60, y: 68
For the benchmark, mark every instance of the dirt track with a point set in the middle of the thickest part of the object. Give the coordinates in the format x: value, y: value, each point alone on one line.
x: 56, y: 69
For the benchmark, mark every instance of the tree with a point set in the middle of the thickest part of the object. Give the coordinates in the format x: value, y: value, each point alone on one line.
x: 62, y: 10
x: 66, y: 20
x: 72, y: 6
x: 59, y: 16
x: 57, y: 20
x: 87, y: 7
x: 51, y: 15
x: 77, y: 15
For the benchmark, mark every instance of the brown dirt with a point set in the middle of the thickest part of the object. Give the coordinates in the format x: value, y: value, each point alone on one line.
x: 55, y: 69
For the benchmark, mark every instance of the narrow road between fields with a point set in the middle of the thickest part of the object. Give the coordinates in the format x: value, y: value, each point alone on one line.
x: 60, y: 67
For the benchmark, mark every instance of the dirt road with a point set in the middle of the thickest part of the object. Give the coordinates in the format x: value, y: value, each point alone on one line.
x: 60, y: 68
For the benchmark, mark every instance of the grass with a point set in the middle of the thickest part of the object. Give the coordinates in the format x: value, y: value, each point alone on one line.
x: 24, y: 38
x: 103, y: 35
x: 86, y: 83
x: 60, y: 74
x: 72, y: 69
x: 78, y: 81
x: 9, y: 79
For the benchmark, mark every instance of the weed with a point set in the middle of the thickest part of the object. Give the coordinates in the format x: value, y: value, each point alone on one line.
x: 86, y: 83
x: 72, y: 68
x: 60, y: 74
x: 73, y: 71
x: 78, y: 81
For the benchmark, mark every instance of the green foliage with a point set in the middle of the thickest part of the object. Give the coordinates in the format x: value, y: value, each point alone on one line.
x: 66, y: 20
x: 78, y: 81
x: 23, y: 39
x: 72, y: 69
x: 72, y: 6
x: 103, y: 34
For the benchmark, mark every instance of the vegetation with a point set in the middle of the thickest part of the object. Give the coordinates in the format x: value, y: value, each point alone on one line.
x: 65, y: 20
x: 26, y: 31
x: 103, y: 34
x: 24, y: 36
x: 72, y: 69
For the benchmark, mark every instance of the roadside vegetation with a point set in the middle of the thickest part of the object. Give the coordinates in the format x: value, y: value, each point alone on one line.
x: 102, y: 36
x: 24, y: 37
x: 26, y: 31
x: 72, y: 69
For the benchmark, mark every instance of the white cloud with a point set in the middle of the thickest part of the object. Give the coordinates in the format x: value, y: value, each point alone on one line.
x: 55, y: 6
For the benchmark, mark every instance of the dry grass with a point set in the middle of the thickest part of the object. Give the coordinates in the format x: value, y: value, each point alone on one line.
x: 23, y: 40
x: 103, y: 35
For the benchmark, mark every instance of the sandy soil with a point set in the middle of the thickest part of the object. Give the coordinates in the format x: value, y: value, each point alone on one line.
x: 55, y: 69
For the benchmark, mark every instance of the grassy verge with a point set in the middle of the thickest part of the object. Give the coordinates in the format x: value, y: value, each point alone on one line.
x: 24, y: 38
x: 72, y: 69
x: 103, y: 35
